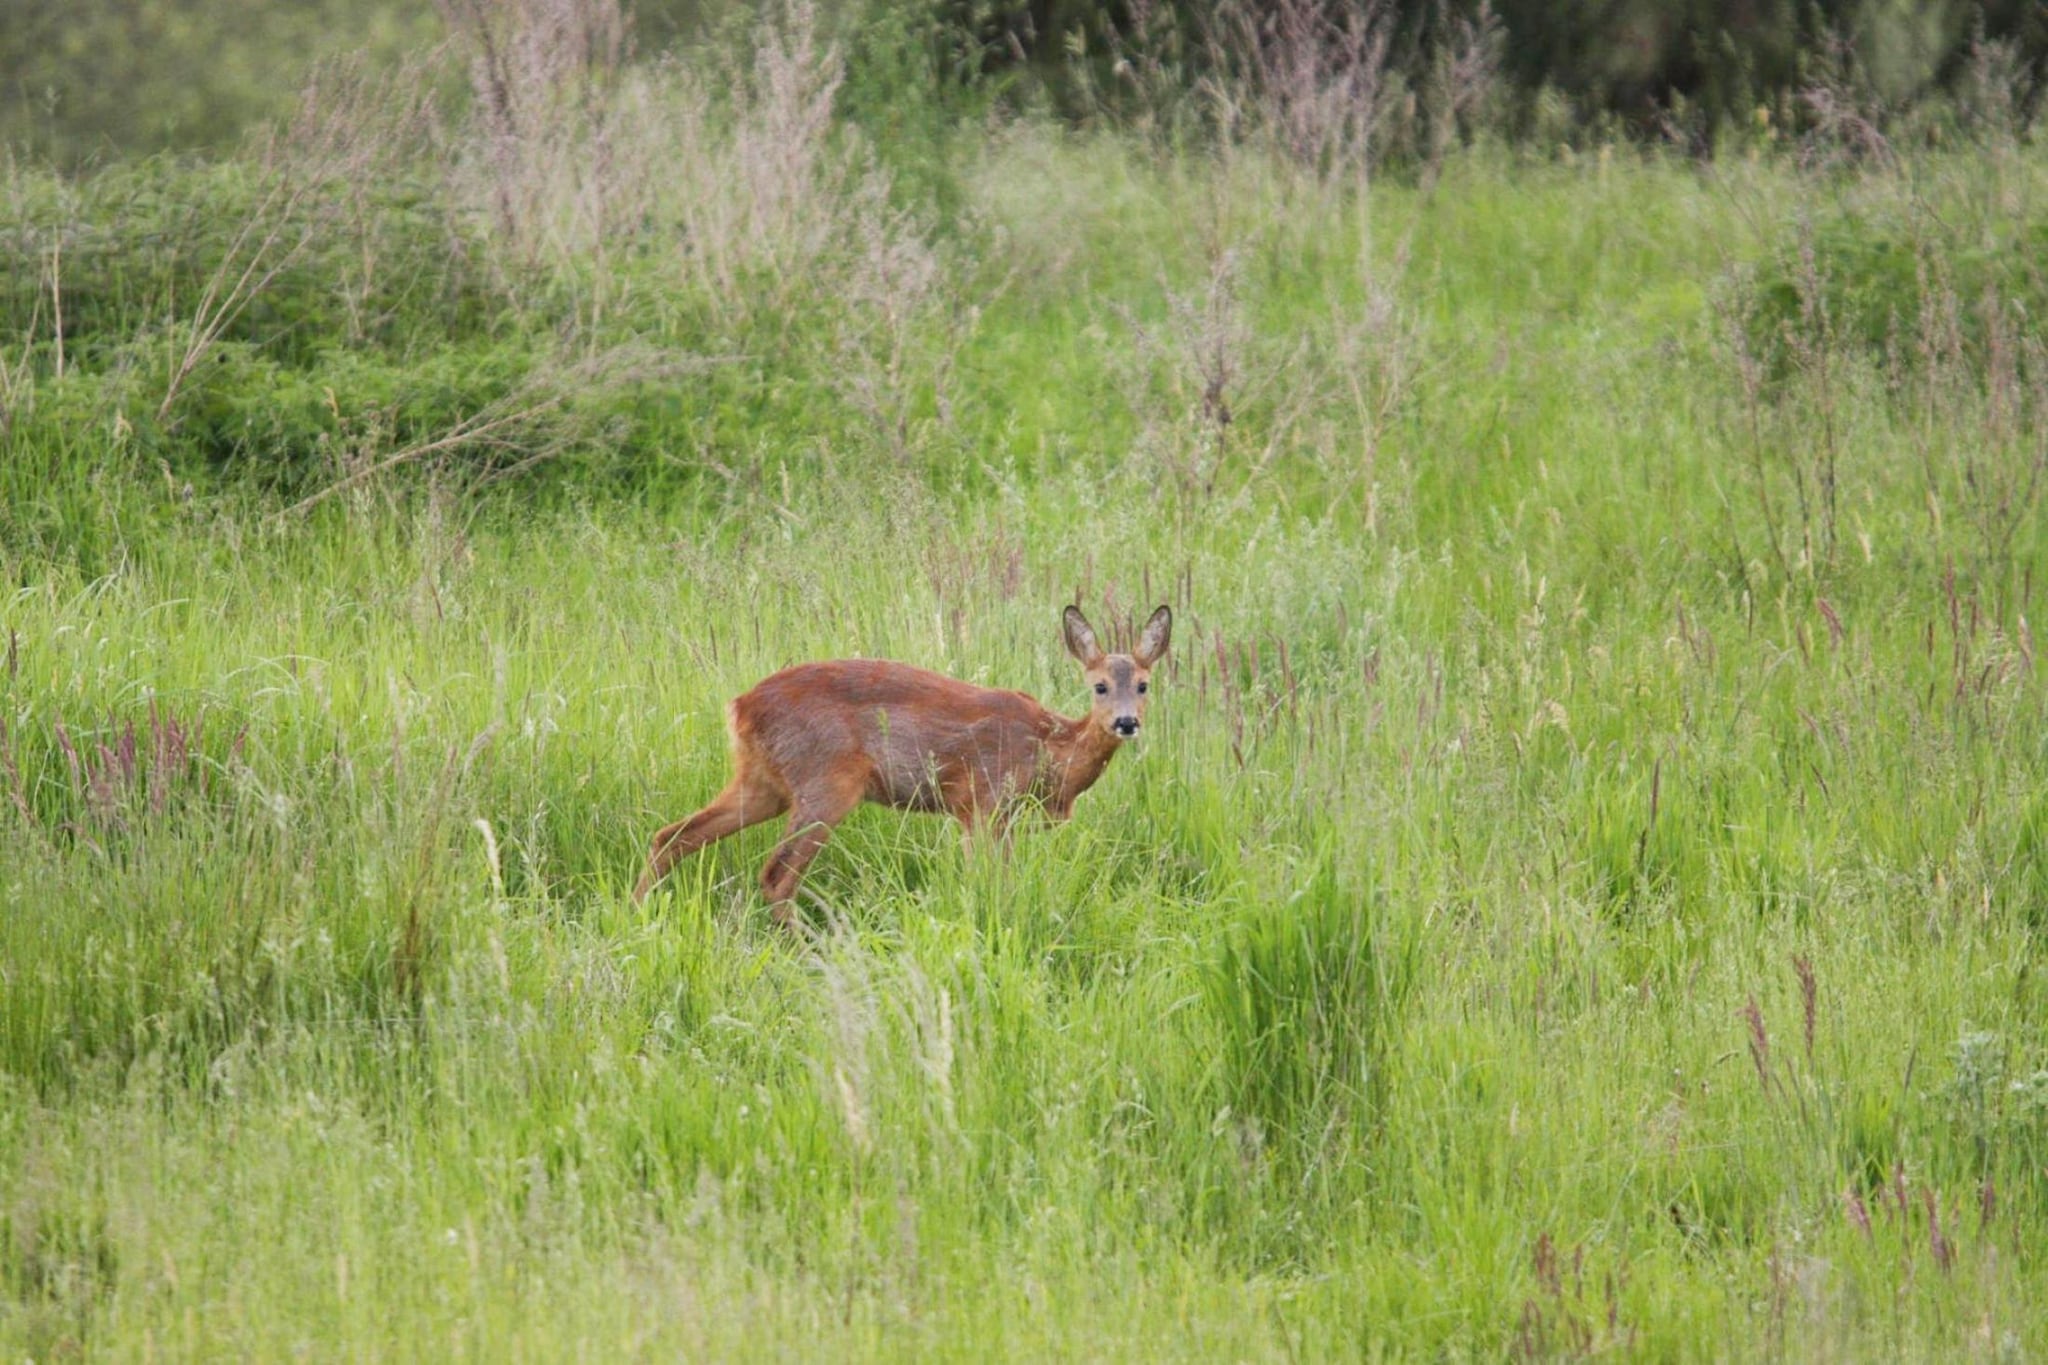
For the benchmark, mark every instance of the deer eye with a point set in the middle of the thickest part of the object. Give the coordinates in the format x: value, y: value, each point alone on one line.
x: 1141, y: 689
x: 1102, y: 689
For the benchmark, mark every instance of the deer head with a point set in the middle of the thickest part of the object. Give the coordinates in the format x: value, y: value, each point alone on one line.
x: 1120, y: 682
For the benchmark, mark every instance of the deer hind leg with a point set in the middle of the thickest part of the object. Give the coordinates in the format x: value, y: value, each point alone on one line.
x: 742, y: 803
x: 812, y: 819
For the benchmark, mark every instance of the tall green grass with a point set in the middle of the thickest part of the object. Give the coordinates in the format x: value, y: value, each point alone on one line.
x: 1570, y: 899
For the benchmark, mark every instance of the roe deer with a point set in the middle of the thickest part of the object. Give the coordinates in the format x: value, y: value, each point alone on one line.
x: 818, y: 739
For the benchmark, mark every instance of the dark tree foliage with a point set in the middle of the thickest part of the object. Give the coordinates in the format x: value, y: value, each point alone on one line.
x: 1642, y: 61
x: 87, y: 79
x: 81, y: 79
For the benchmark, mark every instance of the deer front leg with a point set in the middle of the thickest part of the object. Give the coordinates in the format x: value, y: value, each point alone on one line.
x: 811, y: 823
x: 983, y: 813
x: 985, y: 828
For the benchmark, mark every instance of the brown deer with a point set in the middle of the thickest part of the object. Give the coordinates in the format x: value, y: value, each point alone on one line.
x: 818, y: 739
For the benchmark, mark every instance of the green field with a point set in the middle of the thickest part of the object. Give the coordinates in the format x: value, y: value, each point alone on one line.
x: 1579, y: 891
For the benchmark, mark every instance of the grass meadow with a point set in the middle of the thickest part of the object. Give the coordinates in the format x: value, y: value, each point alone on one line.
x: 1579, y: 892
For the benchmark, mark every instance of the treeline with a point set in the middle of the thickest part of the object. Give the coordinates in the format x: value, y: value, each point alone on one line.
x: 84, y: 79
x: 1698, y: 68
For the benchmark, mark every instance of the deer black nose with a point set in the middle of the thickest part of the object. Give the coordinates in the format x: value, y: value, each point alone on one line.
x: 1126, y: 726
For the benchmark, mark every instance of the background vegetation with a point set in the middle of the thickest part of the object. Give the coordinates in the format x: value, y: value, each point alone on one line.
x: 89, y: 78
x: 1581, y: 891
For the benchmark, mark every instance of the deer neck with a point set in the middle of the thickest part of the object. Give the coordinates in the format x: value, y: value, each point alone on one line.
x: 1076, y: 752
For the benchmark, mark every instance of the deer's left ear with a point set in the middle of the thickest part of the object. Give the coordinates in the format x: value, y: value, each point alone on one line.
x: 1152, y: 641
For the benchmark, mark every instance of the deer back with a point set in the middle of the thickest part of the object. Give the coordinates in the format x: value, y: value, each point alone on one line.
x: 911, y: 738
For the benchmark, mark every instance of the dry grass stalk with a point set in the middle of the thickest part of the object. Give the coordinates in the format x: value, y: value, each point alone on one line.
x: 892, y: 286
x: 376, y: 129
x: 126, y: 776
x: 1803, y: 967
x: 1738, y: 312
x: 1464, y: 78
x: 1938, y: 1242
x: 17, y: 789
x: 1759, y: 1041
x: 1303, y: 77
x: 1980, y: 408
x: 1847, y: 116
x: 1812, y: 346
x: 579, y: 153
x: 542, y: 72
x: 1998, y: 91
x: 17, y: 378
x: 1857, y: 1212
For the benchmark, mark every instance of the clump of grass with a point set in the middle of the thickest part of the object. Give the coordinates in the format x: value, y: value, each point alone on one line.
x: 1305, y: 994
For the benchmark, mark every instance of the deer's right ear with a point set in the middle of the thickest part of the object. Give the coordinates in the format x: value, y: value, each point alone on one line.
x: 1080, y: 637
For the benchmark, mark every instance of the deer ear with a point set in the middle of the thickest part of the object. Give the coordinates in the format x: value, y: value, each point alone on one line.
x: 1152, y: 641
x: 1080, y: 637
